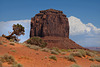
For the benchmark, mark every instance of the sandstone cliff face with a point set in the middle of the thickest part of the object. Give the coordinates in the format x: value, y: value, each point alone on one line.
x: 50, y: 23
x: 53, y: 27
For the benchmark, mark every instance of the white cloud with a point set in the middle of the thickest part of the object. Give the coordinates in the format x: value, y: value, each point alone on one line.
x: 83, y: 34
x: 86, y: 35
x: 78, y: 28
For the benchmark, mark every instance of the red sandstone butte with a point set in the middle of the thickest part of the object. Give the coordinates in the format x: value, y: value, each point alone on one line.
x: 53, y: 27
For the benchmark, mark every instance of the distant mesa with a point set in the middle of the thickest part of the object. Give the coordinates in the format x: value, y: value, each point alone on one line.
x: 53, y: 27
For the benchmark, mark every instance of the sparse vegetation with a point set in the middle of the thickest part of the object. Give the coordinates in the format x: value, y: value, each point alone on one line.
x: 71, y: 58
x: 83, y: 53
x: 63, y: 53
x: 54, y: 52
x: 56, y: 49
x: 12, y: 43
x: 37, y: 41
x: 0, y: 64
x: 45, y: 57
x: 97, y: 59
x: 5, y: 45
x: 17, y: 65
x: 89, y: 53
x: 74, y: 65
x: 34, y: 47
x: 7, y: 58
x: 95, y: 65
x: 91, y: 59
x: 45, y: 50
x: 1, y: 43
x: 76, y: 54
x: 53, y: 57
x: 13, y: 50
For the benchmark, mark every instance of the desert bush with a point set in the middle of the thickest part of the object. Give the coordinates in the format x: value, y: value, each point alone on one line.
x: 12, y: 43
x: 37, y: 41
x: 97, y: 59
x: 56, y: 49
x: 83, y: 53
x: 11, y: 40
x: 17, y: 65
x: 63, y: 53
x: 71, y: 58
x: 34, y: 47
x: 1, y: 43
x: 7, y: 58
x: 95, y: 65
x: 74, y: 65
x: 76, y: 54
x: 45, y: 57
x: 13, y: 50
x: 89, y: 53
x: 53, y: 57
x: 91, y: 59
x: 0, y: 64
x: 45, y: 50
x: 63, y: 50
x: 54, y: 52
x: 65, y: 57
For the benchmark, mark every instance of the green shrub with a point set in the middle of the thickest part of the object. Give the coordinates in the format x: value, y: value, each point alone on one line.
x: 54, y: 52
x: 34, y: 47
x: 53, y: 57
x: 66, y: 57
x: 76, y: 54
x: 37, y: 41
x: 45, y: 57
x: 1, y: 43
x: 91, y: 59
x: 71, y: 58
x: 45, y: 50
x: 0, y: 64
x: 17, y: 65
x: 97, y: 59
x: 63, y: 50
x: 56, y: 49
x: 83, y: 53
x: 95, y: 65
x: 7, y: 58
x: 13, y: 50
x: 63, y: 53
x: 11, y: 40
x: 74, y: 65
x: 89, y: 53
x: 12, y: 43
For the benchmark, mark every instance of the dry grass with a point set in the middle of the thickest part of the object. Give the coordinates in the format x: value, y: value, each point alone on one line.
x: 45, y: 50
x: 53, y: 57
x: 0, y: 64
x: 54, y: 52
x: 12, y: 43
x: 74, y: 65
x: 97, y: 59
x: 95, y: 65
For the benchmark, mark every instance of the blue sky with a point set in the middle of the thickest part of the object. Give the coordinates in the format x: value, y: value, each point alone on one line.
x: 88, y: 11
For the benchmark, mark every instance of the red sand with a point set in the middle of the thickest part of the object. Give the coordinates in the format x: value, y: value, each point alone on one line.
x: 32, y: 58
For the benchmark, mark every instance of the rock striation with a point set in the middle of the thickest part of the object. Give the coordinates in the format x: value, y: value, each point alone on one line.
x: 53, y: 27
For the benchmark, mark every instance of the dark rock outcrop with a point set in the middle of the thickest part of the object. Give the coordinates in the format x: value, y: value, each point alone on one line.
x: 53, y: 27
x: 49, y: 23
